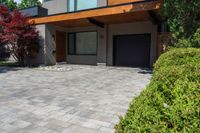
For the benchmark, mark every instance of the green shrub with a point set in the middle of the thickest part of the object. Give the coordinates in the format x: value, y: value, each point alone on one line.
x: 183, y: 43
x: 193, y: 41
x: 179, y: 57
x: 171, y: 102
x: 196, y: 38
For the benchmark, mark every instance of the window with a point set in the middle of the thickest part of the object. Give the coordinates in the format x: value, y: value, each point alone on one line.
x: 82, y: 4
x: 82, y: 43
x: 71, y: 5
x: 75, y: 5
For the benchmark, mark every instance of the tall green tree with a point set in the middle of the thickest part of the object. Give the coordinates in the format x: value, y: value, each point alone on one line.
x: 29, y: 3
x: 184, y: 17
x: 11, y: 4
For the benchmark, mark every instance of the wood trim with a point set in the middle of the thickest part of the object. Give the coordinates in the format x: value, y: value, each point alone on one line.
x: 117, y: 2
x: 154, y: 17
x: 61, y: 46
x: 153, y: 5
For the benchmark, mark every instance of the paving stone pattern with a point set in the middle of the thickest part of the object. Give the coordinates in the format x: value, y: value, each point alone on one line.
x: 71, y: 99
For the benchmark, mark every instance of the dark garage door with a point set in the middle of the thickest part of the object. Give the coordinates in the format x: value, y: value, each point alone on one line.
x: 132, y: 50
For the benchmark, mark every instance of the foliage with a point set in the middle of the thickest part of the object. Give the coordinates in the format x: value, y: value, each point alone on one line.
x: 18, y: 34
x: 8, y: 64
x: 184, y: 16
x: 29, y: 3
x: 193, y: 41
x: 11, y: 4
x: 183, y: 43
x: 196, y: 38
x: 171, y: 101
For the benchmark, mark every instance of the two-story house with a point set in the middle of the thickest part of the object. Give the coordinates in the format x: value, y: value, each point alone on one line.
x: 106, y: 32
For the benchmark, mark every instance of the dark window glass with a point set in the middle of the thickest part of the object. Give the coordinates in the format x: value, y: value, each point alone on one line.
x: 83, y: 43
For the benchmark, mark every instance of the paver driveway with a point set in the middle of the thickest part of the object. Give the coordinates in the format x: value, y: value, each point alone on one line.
x: 80, y: 99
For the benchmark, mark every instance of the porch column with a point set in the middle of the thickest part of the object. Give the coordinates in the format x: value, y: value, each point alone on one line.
x: 102, y: 46
x: 40, y: 57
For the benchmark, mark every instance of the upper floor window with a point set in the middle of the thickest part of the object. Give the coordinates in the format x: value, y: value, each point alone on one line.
x: 75, y: 5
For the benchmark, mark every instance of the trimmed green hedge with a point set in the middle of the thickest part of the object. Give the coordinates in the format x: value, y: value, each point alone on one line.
x: 171, y: 102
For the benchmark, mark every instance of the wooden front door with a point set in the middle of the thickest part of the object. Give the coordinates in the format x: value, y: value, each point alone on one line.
x: 60, y: 46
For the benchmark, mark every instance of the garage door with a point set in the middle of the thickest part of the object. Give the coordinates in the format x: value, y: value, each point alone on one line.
x: 132, y: 50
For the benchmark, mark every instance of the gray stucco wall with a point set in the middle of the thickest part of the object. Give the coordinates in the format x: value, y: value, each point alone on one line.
x: 50, y: 46
x: 35, y: 11
x: 40, y: 58
x: 55, y: 6
x: 46, y: 54
x: 102, y: 45
x: 102, y: 3
x: 132, y: 28
x: 60, y: 6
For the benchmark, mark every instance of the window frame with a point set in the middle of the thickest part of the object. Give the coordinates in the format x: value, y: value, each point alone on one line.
x: 68, y: 6
x: 76, y: 5
x: 75, y: 44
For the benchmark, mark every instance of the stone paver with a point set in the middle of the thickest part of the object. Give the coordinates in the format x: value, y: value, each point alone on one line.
x: 71, y: 99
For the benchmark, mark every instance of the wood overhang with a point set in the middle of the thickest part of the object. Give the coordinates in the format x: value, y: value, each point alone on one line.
x: 99, y: 13
x: 111, y: 19
x: 117, y: 2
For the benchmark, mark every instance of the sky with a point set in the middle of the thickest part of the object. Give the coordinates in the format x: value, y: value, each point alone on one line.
x: 20, y: 0
x: 17, y: 1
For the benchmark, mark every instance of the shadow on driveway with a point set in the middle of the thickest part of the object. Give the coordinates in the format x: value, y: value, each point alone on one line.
x: 146, y: 71
x: 7, y: 69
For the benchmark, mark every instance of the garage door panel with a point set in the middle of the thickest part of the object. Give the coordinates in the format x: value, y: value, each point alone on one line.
x: 132, y: 50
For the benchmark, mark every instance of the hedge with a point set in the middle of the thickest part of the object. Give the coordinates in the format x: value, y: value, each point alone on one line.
x: 171, y: 102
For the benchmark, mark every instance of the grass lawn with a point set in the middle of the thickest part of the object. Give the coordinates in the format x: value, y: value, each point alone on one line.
x: 8, y: 64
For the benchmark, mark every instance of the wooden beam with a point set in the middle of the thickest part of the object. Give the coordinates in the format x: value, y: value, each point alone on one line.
x: 154, y: 17
x: 113, y: 10
x: 95, y: 22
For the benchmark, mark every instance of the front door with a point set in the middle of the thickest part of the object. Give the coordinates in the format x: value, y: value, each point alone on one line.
x: 60, y: 46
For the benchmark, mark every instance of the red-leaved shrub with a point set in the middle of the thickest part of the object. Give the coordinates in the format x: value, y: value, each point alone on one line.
x: 18, y: 34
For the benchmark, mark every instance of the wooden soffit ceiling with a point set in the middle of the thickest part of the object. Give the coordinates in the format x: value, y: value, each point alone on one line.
x: 106, y: 15
x: 111, y: 19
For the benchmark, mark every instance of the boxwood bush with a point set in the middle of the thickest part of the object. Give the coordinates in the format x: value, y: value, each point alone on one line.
x: 171, y: 102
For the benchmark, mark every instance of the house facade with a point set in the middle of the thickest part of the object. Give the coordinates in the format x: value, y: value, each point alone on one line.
x: 99, y: 32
